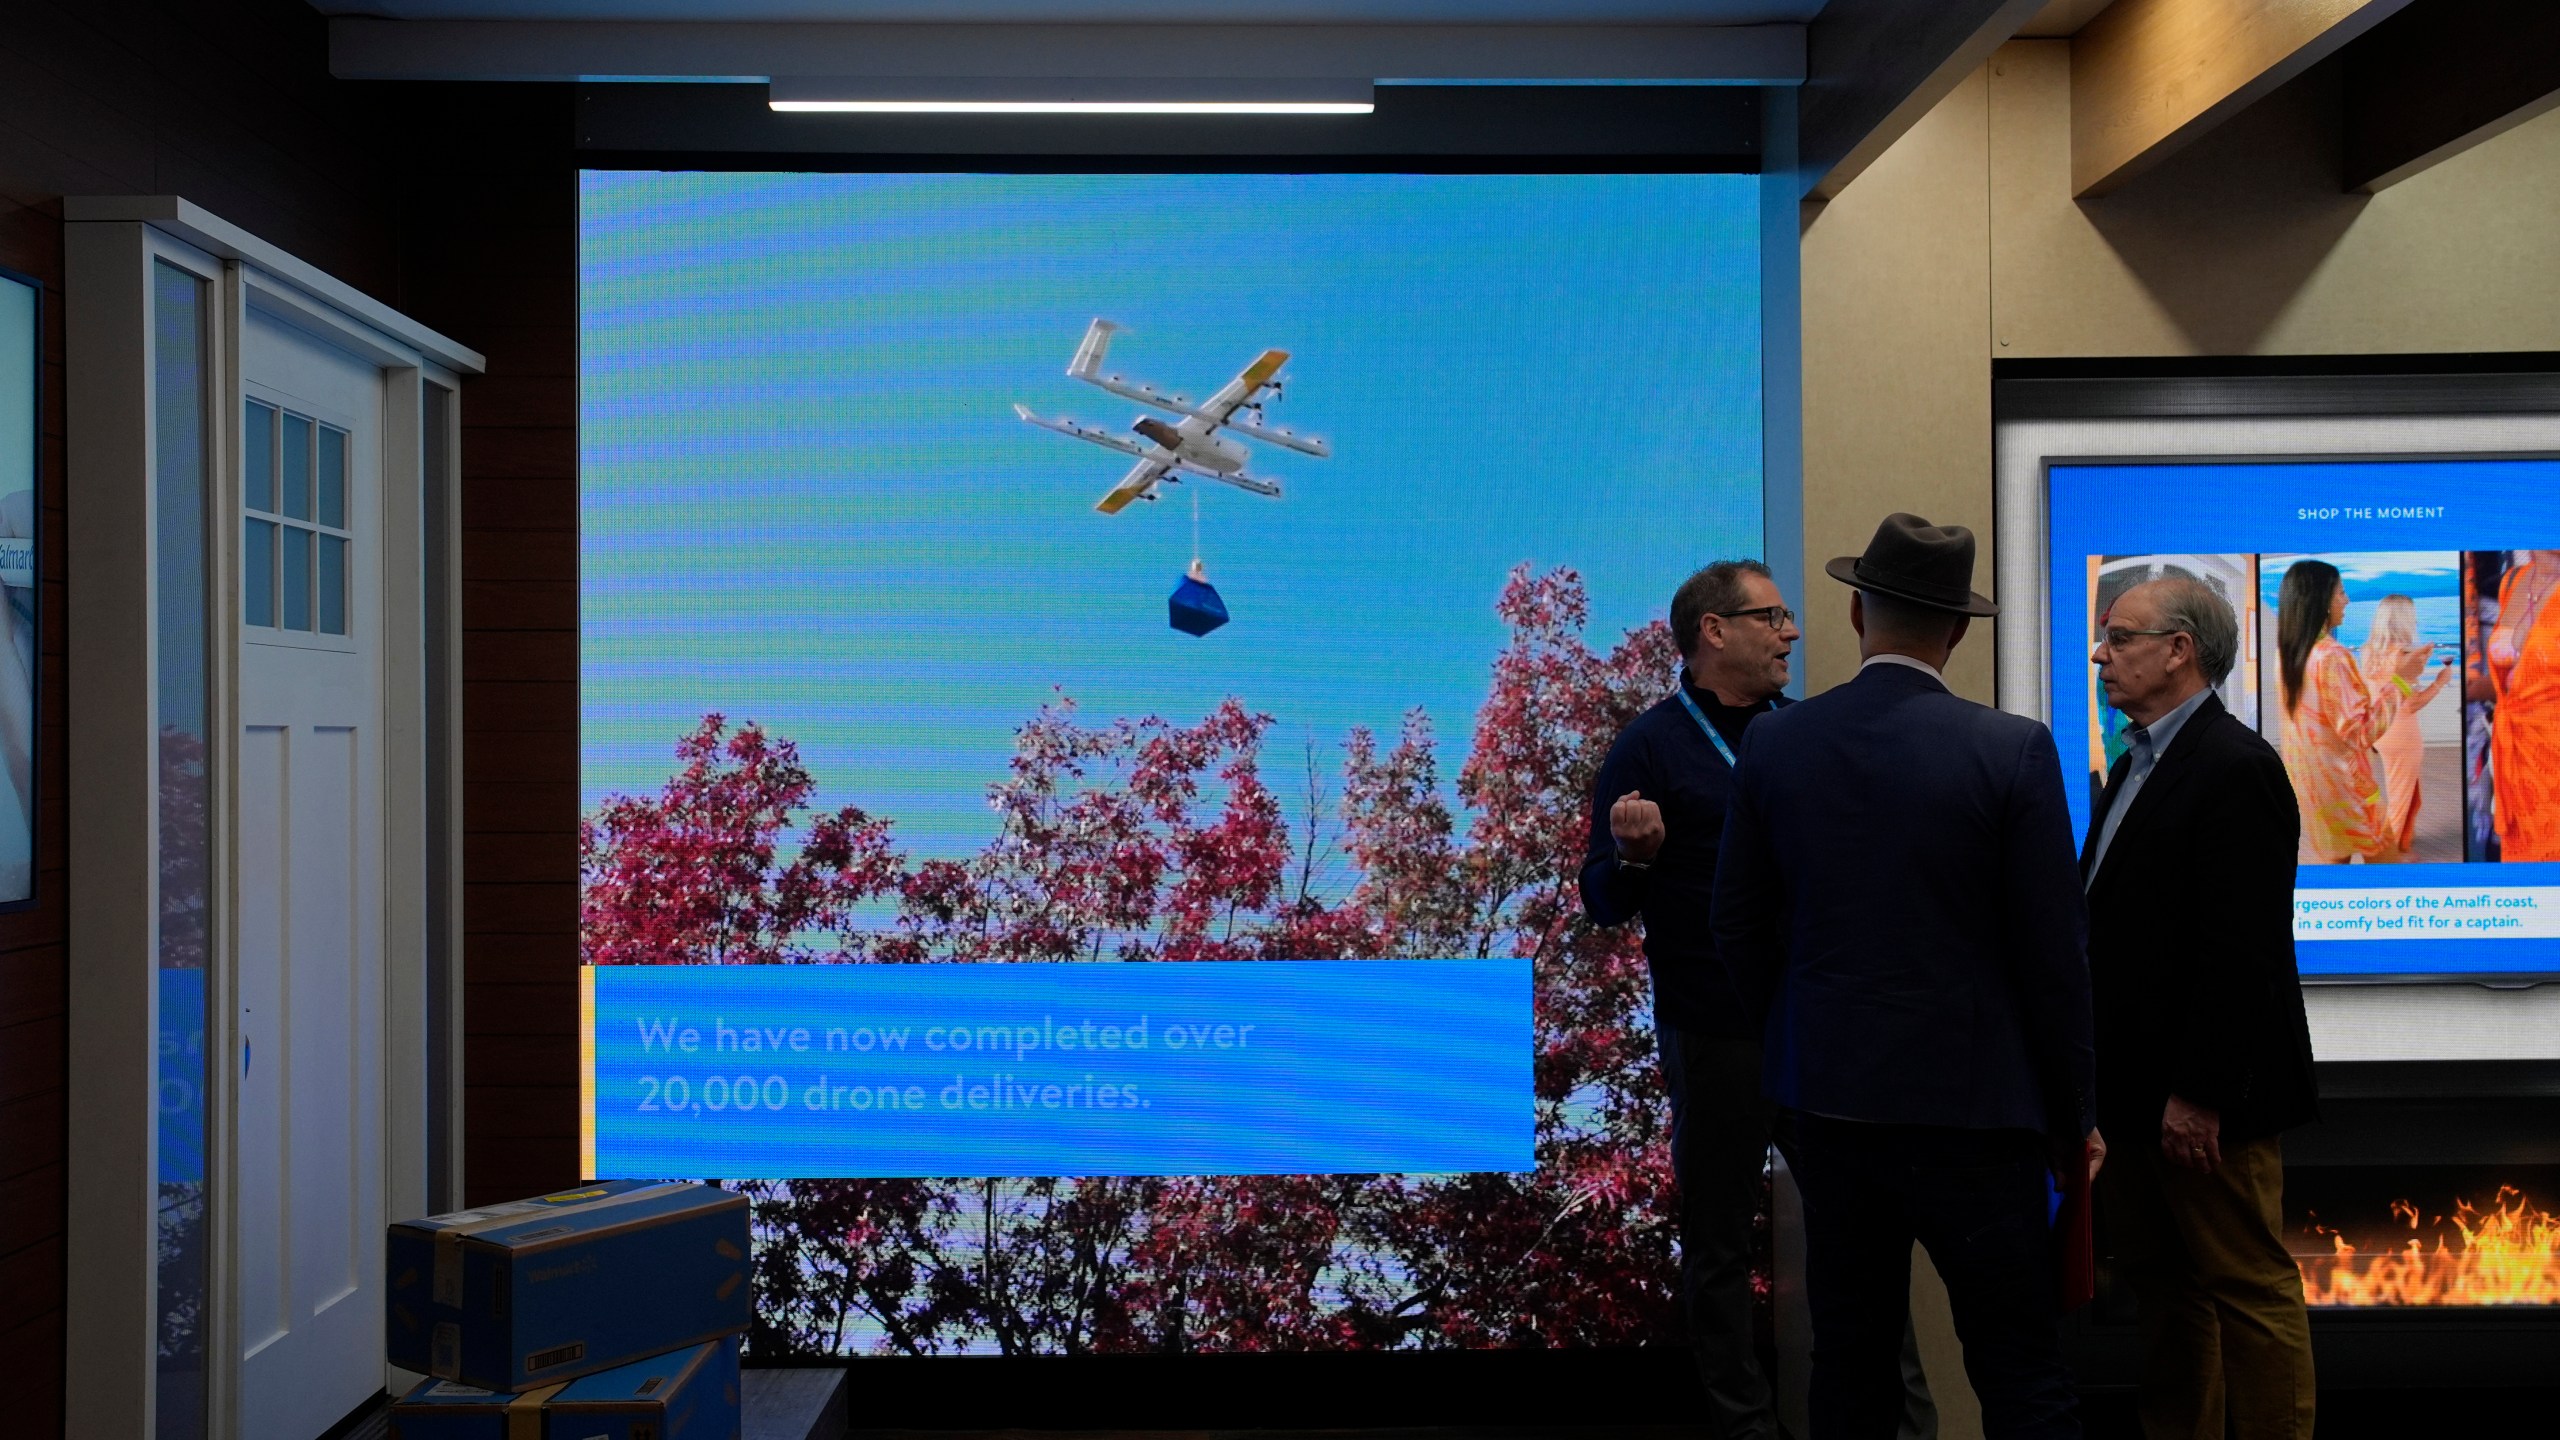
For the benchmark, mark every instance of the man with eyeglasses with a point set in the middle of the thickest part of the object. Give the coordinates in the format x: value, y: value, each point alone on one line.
x: 2204, y: 1056
x: 1656, y: 814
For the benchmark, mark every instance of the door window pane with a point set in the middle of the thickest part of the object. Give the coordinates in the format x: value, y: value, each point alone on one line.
x: 293, y: 576
x: 333, y: 585
x: 258, y: 456
x: 297, y: 578
x: 258, y: 572
x: 297, y: 467
x: 333, y: 477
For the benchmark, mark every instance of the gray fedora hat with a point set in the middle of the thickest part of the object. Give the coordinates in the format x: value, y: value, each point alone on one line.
x: 1911, y: 559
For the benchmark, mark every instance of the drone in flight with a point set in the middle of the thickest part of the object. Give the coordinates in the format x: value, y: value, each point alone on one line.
x: 1201, y: 443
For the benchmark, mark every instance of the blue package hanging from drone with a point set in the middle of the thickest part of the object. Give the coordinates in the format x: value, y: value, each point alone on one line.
x: 1195, y: 606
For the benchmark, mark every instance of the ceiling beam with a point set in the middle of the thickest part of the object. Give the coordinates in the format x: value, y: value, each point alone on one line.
x: 373, y: 49
x: 1874, y: 67
x: 2149, y: 76
x: 2440, y: 77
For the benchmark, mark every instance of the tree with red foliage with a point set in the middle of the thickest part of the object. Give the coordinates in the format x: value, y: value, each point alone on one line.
x: 689, y: 878
x: 1145, y: 840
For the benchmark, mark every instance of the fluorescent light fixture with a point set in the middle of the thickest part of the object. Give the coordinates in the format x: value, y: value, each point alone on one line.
x: 1075, y: 107
x: 1427, y: 82
x: 675, y: 79
x: 1171, y: 95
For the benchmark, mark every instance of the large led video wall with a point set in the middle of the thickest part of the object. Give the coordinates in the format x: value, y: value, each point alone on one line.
x: 2399, y: 647
x: 1090, y: 685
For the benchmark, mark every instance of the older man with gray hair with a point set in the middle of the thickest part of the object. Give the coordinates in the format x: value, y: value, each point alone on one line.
x: 2204, y: 1058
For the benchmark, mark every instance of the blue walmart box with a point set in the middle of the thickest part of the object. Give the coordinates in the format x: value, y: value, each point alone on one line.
x: 689, y: 1394
x: 508, y: 1297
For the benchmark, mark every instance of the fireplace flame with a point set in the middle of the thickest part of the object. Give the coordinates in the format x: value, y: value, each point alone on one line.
x: 2507, y: 1254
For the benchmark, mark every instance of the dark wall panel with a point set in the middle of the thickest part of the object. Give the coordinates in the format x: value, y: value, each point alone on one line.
x: 491, y: 239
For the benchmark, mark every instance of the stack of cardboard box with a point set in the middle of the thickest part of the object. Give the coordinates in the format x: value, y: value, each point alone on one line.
x: 611, y: 1312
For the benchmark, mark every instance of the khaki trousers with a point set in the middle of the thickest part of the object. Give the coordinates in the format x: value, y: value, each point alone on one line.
x: 2223, y: 1327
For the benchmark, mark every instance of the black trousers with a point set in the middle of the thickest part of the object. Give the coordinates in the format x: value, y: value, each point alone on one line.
x: 1719, y: 1152
x: 1978, y: 1200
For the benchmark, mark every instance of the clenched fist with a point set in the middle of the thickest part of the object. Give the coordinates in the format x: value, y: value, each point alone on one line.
x: 1636, y: 824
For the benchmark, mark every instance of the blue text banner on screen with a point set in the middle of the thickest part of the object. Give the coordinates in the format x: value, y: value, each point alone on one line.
x: 2450, y: 916
x: 1212, y: 1068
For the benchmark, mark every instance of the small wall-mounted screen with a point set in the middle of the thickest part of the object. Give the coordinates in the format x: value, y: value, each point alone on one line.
x: 1090, y: 687
x: 2399, y: 645
x: 21, y: 461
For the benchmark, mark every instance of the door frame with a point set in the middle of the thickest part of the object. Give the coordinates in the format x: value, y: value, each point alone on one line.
x: 110, y: 246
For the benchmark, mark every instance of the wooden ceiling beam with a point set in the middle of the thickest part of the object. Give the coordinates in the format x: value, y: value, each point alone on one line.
x: 1874, y: 67
x: 2149, y: 76
x: 2442, y: 76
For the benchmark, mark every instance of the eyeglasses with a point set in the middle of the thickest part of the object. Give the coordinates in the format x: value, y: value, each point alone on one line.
x: 2117, y: 637
x: 1778, y: 616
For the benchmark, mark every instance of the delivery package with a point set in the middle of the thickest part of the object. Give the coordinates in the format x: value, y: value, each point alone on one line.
x: 688, y: 1394
x: 509, y: 1297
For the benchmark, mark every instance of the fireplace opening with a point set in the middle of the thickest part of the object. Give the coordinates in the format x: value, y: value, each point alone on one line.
x: 2438, y: 1236
x: 2400, y: 1149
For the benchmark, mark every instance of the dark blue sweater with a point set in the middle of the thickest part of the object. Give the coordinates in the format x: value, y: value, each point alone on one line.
x: 1663, y: 754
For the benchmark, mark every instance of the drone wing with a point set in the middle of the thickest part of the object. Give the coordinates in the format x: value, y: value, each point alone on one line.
x: 1252, y: 483
x: 1094, y: 433
x: 1217, y: 409
x: 1139, y: 483
x: 1087, y: 367
x: 1236, y: 392
x: 1283, y: 437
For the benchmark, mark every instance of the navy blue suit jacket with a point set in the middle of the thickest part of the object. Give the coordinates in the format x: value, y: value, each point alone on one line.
x: 1898, y: 896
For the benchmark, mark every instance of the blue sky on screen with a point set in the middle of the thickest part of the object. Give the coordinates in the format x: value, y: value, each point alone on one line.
x: 2432, y: 581
x: 806, y: 500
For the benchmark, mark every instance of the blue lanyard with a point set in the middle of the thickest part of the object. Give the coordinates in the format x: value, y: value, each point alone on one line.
x: 1701, y: 717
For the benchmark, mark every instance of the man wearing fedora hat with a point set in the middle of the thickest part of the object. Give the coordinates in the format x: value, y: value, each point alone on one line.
x: 1898, y: 896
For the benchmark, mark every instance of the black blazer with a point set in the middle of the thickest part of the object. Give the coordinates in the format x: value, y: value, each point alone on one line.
x: 2191, y: 938
x: 1896, y: 896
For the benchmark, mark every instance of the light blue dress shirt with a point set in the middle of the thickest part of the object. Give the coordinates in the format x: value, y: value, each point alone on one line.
x: 2149, y: 744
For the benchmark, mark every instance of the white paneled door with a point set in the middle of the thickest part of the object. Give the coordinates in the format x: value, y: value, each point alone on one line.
x: 309, y: 1171
x: 263, y: 733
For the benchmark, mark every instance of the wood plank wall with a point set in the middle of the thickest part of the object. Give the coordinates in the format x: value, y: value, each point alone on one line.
x: 492, y: 239
x: 231, y: 105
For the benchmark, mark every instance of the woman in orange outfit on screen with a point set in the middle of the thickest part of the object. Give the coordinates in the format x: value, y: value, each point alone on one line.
x: 2402, y: 749
x: 2524, y: 735
x: 2333, y: 717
